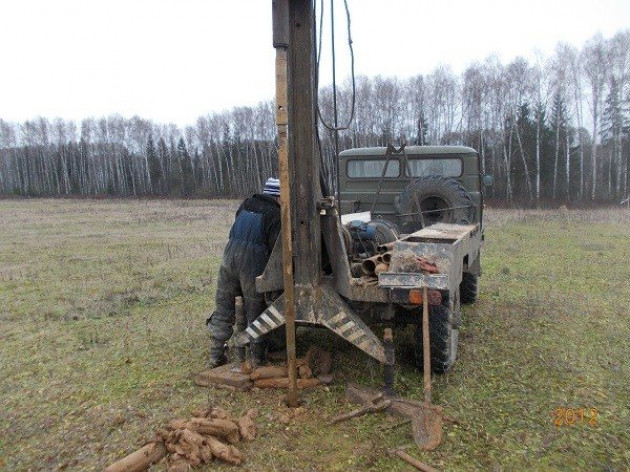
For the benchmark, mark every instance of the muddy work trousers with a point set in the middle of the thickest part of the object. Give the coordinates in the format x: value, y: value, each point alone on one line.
x: 231, y: 284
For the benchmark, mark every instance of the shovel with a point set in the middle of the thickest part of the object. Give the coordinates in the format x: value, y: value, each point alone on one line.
x: 427, y: 424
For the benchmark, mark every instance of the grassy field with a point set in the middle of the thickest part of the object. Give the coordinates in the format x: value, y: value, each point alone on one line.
x: 102, y: 309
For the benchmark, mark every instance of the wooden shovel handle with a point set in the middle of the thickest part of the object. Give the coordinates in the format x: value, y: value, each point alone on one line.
x: 426, y: 345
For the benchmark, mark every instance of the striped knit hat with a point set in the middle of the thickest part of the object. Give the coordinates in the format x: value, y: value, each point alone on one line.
x: 272, y: 187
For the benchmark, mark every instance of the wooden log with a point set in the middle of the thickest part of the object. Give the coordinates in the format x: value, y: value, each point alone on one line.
x: 247, y: 368
x: 246, y: 426
x: 223, y: 375
x: 222, y: 428
x: 414, y: 462
x: 305, y: 372
x: 140, y: 460
x: 269, y: 372
x: 224, y: 452
x: 189, y: 444
x: 283, y: 382
x: 177, y: 463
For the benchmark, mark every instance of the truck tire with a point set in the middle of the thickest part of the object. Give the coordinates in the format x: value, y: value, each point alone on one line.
x: 277, y: 339
x: 468, y: 288
x: 441, y: 200
x: 440, y: 332
x: 386, y: 231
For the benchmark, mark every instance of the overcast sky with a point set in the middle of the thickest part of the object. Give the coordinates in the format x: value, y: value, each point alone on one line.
x: 174, y: 60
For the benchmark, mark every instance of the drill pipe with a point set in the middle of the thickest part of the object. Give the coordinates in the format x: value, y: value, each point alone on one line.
x: 369, y: 265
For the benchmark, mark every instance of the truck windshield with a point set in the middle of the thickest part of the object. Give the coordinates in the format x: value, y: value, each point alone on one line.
x: 372, y: 168
x: 444, y: 167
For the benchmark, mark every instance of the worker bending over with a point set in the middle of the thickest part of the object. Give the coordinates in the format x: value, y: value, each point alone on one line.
x: 252, y: 238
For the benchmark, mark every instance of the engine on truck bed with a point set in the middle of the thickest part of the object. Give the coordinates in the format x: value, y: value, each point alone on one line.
x: 363, y: 238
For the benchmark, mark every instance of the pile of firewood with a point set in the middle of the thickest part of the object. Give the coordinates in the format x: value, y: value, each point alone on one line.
x: 210, y: 434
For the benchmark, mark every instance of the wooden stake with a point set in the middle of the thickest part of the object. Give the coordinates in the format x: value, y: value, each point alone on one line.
x: 426, y: 345
x: 285, y: 212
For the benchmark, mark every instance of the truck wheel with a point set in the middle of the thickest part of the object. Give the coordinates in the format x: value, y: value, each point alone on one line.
x: 277, y: 339
x: 440, y: 200
x: 386, y: 231
x: 468, y: 288
x: 441, y: 334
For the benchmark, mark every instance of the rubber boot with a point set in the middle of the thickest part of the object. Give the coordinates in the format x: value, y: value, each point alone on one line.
x: 217, y: 353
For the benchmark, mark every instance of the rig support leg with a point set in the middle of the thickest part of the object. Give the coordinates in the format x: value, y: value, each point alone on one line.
x: 390, y: 360
x: 241, y: 325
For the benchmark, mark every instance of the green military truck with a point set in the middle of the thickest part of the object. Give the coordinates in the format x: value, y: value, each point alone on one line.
x: 405, y: 219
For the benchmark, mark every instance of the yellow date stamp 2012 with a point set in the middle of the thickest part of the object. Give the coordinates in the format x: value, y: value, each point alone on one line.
x: 563, y: 417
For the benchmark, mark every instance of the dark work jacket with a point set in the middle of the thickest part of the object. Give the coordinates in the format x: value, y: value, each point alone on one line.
x: 253, y: 235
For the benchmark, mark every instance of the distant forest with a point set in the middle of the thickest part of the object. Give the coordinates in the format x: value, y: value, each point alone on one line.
x: 557, y: 131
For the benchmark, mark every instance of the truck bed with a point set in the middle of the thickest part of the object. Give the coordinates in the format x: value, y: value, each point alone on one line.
x: 449, y: 246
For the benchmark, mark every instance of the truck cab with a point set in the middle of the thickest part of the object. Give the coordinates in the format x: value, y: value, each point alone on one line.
x: 412, y: 186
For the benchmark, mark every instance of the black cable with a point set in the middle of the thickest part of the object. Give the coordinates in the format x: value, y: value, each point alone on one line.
x: 317, y: 53
x: 334, y: 89
x: 354, y: 85
x: 352, y: 72
x: 321, y: 28
x: 335, y: 128
x: 323, y: 182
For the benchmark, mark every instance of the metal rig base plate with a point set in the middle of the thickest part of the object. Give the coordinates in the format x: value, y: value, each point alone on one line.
x: 318, y: 306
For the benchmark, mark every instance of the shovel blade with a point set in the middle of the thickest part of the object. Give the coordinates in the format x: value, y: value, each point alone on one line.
x: 426, y: 427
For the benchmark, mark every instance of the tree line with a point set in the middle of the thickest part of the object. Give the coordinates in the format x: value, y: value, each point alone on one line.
x: 555, y: 130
